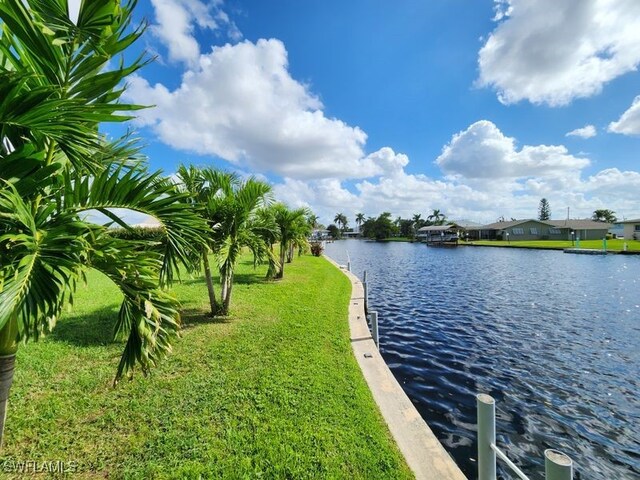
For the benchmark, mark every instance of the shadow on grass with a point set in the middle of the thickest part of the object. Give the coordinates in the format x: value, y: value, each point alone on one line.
x: 91, y: 329
x: 192, y: 318
x: 242, y: 278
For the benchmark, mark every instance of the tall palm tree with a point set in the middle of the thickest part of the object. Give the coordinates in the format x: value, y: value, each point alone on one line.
x: 341, y: 219
x: 287, y: 221
x: 359, y: 220
x: 436, y: 217
x: 58, y: 82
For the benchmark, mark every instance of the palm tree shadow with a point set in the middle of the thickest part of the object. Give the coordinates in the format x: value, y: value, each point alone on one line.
x: 248, y: 278
x: 193, y: 317
x: 95, y: 328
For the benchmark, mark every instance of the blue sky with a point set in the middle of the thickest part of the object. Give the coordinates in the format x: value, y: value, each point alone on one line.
x: 477, y: 108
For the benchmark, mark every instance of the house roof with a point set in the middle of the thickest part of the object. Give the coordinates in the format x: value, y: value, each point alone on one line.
x: 512, y: 223
x: 581, y: 224
x: 468, y: 224
x: 436, y: 228
x: 637, y: 220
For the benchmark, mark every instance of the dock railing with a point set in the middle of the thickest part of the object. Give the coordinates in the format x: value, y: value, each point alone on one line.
x: 372, y: 317
x: 558, y: 466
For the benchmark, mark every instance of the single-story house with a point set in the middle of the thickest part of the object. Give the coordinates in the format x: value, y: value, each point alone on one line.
x: 631, y: 229
x: 514, y: 230
x: 530, y: 229
x: 584, y: 229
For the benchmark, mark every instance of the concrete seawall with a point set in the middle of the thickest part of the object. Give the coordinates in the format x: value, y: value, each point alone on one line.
x: 424, y: 454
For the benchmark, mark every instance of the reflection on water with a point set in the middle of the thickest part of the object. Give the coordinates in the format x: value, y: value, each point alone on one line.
x: 554, y: 338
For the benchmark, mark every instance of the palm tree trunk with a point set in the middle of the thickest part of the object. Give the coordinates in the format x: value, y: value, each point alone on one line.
x: 7, y: 364
x: 8, y: 349
x: 282, y: 252
x: 290, y: 253
x: 227, y: 298
x: 212, y: 293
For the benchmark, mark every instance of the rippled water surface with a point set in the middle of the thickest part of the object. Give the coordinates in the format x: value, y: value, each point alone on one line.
x: 553, y: 337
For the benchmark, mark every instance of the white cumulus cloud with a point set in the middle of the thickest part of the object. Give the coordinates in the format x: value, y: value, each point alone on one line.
x: 176, y: 21
x: 629, y: 122
x: 553, y: 51
x: 482, y: 151
x: 241, y: 104
x: 587, y: 131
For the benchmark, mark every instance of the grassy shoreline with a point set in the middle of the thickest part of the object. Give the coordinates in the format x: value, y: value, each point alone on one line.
x: 613, y: 245
x: 271, y: 391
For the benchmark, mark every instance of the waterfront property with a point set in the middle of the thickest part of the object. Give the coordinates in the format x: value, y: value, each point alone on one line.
x: 446, y: 235
x: 631, y: 229
x: 544, y: 333
x: 530, y: 229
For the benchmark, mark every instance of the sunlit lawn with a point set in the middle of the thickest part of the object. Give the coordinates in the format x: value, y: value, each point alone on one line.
x: 614, y: 245
x: 273, y: 391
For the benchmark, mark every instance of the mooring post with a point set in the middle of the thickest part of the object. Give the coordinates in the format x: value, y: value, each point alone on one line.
x: 557, y: 465
x: 374, y: 328
x: 486, y: 407
x: 366, y: 292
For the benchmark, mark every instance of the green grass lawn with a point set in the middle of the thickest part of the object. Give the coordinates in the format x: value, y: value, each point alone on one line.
x: 614, y: 245
x: 273, y: 391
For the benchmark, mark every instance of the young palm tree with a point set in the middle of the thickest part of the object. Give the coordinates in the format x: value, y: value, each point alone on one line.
x: 287, y: 221
x: 312, y: 220
x: 208, y: 190
x: 56, y: 87
x: 300, y: 232
x: 240, y: 227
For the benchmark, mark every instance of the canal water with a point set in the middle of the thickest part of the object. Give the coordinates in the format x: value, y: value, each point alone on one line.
x: 553, y: 337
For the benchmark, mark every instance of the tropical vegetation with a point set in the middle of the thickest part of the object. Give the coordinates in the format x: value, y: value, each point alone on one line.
x: 59, y: 81
x: 341, y: 220
x: 604, y: 215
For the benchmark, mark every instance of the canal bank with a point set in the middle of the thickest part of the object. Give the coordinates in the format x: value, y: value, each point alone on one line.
x: 424, y: 454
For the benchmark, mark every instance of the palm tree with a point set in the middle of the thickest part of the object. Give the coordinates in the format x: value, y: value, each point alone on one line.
x: 57, y: 83
x: 299, y: 238
x: 312, y: 220
x: 207, y: 189
x: 341, y: 219
x: 436, y: 217
x: 287, y: 223
x: 240, y: 227
x: 359, y: 220
x: 604, y: 215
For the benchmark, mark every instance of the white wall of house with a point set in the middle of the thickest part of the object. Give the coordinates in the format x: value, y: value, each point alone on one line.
x: 632, y: 230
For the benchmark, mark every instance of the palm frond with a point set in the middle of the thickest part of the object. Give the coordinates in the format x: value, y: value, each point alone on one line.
x: 41, y: 258
x: 152, y: 194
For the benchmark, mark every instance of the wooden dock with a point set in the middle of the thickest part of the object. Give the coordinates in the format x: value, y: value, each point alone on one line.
x: 585, y: 251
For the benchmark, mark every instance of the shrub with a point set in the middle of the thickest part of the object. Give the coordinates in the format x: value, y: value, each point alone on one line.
x: 153, y: 234
x: 316, y: 248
